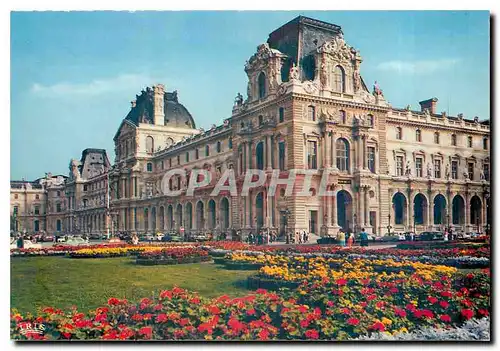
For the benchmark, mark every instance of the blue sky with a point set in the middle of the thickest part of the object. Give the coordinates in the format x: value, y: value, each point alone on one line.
x: 73, y: 74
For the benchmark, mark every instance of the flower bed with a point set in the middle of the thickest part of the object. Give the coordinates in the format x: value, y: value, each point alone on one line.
x: 174, y: 255
x: 327, y: 309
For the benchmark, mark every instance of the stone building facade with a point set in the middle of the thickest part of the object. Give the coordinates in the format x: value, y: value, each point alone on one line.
x: 307, y: 109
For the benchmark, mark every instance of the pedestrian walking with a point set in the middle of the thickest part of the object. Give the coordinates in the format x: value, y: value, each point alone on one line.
x: 364, y: 237
x: 341, y: 238
x: 350, y: 240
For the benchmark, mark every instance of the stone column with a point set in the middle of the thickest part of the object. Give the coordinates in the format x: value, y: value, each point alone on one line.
x: 367, y: 207
x: 132, y: 219
x: 467, y: 222
x: 334, y: 210
x: 273, y: 151
x: 430, y: 213
x: 268, y: 153
x: 328, y: 209
x: 333, y: 151
x: 361, y: 202
x: 359, y: 152
x: 411, y: 214
x: 365, y: 154
x: 328, y: 152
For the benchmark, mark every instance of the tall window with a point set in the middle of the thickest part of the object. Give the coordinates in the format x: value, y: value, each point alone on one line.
x: 399, y: 133
x: 219, y: 147
x: 485, y: 143
x: 170, y: 163
x: 187, y: 156
x: 469, y: 141
x: 281, y: 114
x: 262, y: 85
x: 207, y: 150
x: 418, y: 166
x: 486, y: 171
x: 178, y: 159
x: 37, y: 210
x: 418, y: 135
x: 149, y: 167
x: 453, y: 140
x: 196, y: 154
x: 399, y: 166
x: 342, y: 148
x: 437, y: 168
x: 162, y: 164
x: 58, y: 207
x: 311, y: 155
x: 371, y: 159
x: 281, y: 148
x: 371, y: 121
x: 436, y: 138
x: 261, y: 120
x: 149, y: 144
x: 470, y: 170
x: 58, y: 193
x: 311, y: 113
x: 230, y: 143
x: 339, y: 79
x: 343, y: 118
x: 454, y: 169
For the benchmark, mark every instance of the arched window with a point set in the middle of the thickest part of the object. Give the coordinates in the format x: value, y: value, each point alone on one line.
x: 262, y: 85
x: 207, y: 150
x: 399, y: 133
x: 418, y: 135
x: 436, y: 138
x: 261, y: 120
x: 219, y: 146
x: 342, y: 147
x: 259, y: 153
x: 343, y: 118
x: 371, y: 121
x: 311, y: 113
x: 242, y: 125
x: 230, y: 143
x: 485, y: 143
x: 339, y: 79
x: 454, y: 140
x: 469, y: 141
x: 150, y: 144
x: 149, y: 167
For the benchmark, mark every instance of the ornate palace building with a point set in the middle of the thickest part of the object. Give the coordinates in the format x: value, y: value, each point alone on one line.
x: 307, y: 108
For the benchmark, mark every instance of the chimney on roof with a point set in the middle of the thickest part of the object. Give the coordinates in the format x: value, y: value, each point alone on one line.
x: 430, y: 104
x: 133, y: 102
x: 159, y: 103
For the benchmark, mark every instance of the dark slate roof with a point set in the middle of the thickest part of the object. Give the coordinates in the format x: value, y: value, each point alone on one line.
x: 176, y: 115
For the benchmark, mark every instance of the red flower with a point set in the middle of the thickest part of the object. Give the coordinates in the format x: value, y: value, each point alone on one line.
x: 410, y: 307
x: 427, y: 314
x: 304, y: 323
x: 162, y: 317
x: 183, y: 321
x: 445, y: 318
x: 353, y: 321
x: 399, y: 312
x: 330, y: 304
x: 179, y: 333
x: 263, y: 334
x: 261, y: 291
x: 341, y: 281
x: 466, y: 313
x: 444, y: 304
x: 113, y: 301
x: 371, y: 297
x: 195, y: 300
x: 213, y: 309
x: 137, y: 317
x: 446, y: 294
x: 251, y: 312
x: 393, y: 290
x: 432, y: 299
x: 166, y: 294
x: 146, y: 331
x: 483, y: 312
x: 236, y: 325
x: 312, y: 334
x: 378, y: 326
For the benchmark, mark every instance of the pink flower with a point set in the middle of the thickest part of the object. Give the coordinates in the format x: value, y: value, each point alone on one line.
x: 353, y: 321
x: 312, y: 334
x: 445, y: 318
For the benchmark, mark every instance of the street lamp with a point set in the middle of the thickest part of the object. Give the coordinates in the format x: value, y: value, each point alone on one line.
x: 355, y: 223
x: 389, y: 224
x: 286, y: 215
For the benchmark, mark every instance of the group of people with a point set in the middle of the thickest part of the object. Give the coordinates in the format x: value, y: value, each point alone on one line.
x: 348, y: 238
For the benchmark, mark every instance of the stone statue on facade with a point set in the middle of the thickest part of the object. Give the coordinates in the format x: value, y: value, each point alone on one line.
x: 357, y: 80
x: 466, y: 174
x: 294, y: 72
x: 429, y: 170
x: 482, y: 175
x: 238, y: 100
x: 447, y: 171
x: 408, y: 169
x: 73, y: 166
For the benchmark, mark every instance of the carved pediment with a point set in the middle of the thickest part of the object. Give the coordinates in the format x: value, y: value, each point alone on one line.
x: 261, y: 57
x: 338, y: 49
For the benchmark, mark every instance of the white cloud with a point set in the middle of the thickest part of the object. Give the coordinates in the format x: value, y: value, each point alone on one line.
x: 418, y: 66
x: 122, y: 82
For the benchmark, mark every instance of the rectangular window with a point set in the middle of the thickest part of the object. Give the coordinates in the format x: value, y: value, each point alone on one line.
x: 196, y: 154
x: 399, y: 166
x: 85, y: 187
x: 58, y: 207
x: 281, y: 147
x: 486, y: 170
x: 312, y: 155
x: 162, y: 165
x: 178, y: 159
x: 485, y: 143
x: 187, y: 156
x: 454, y: 169
x: 178, y: 182
x: 470, y: 170
x: 281, y: 115
x: 135, y: 186
x: 170, y: 163
x: 469, y: 141
x: 37, y: 210
x: 418, y: 166
x: 437, y: 168
x: 371, y: 159
x: 312, y: 113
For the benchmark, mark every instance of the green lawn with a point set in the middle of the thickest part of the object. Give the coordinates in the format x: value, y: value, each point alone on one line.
x: 88, y: 283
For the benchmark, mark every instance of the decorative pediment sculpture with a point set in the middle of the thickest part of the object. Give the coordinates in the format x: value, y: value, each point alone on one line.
x: 294, y: 72
x: 238, y: 100
x: 338, y: 49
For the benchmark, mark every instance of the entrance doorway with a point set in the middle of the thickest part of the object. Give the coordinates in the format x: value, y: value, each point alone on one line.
x: 373, y: 221
x: 313, y: 222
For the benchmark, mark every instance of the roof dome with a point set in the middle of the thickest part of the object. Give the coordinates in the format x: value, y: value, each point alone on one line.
x: 176, y: 115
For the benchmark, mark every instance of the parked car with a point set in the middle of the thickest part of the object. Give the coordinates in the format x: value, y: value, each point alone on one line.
x: 430, y: 236
x: 327, y: 240
x: 147, y: 237
x: 159, y: 236
x: 200, y: 237
x: 47, y: 238
x: 171, y: 237
x: 27, y: 244
x: 76, y: 241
